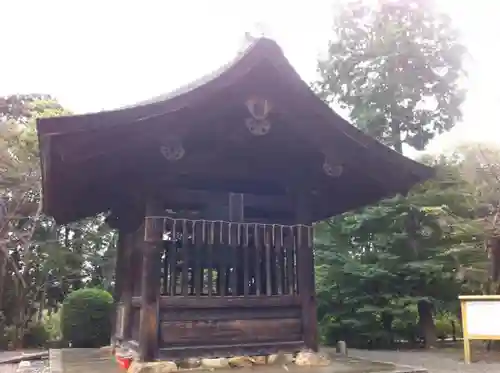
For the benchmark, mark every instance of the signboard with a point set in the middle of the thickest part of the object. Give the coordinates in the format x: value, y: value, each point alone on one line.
x: 479, y: 315
x: 120, y: 321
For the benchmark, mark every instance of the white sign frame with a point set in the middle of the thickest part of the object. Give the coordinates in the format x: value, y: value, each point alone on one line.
x: 478, y: 319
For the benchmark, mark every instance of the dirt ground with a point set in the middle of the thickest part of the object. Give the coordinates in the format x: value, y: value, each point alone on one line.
x: 445, y: 359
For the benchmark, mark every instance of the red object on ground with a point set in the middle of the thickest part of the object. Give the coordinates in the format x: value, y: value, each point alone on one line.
x: 123, y: 361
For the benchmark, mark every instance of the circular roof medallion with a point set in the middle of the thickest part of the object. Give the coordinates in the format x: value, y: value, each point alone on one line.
x: 172, y: 150
x: 332, y: 170
x: 258, y: 127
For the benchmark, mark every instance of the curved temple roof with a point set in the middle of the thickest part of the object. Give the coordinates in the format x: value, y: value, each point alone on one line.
x: 84, y: 157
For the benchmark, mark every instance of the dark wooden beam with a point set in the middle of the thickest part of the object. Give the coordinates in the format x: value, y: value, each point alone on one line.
x: 150, y: 290
x: 128, y: 283
x: 237, y: 207
x: 305, y: 264
x: 181, y: 196
x: 251, y: 301
x: 120, y: 272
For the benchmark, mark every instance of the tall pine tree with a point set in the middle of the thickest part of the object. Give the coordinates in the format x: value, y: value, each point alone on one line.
x: 397, y: 66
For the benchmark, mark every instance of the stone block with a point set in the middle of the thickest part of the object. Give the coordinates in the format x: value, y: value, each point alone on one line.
x: 215, y: 363
x: 311, y: 358
x: 280, y: 359
x: 259, y: 360
x: 240, y: 362
x: 153, y: 367
x: 189, y: 363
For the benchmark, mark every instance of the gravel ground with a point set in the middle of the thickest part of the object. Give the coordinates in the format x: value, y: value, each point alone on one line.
x: 433, y: 361
x: 35, y: 366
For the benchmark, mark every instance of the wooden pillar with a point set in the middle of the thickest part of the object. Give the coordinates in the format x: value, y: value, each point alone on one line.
x: 305, y: 267
x: 116, y: 332
x: 150, y: 289
x: 128, y: 285
x: 236, y: 207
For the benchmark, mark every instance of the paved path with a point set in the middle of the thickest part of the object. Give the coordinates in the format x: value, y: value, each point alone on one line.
x: 35, y: 366
x: 433, y: 361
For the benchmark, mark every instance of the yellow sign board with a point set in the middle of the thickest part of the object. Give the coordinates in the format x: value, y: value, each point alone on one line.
x: 479, y: 319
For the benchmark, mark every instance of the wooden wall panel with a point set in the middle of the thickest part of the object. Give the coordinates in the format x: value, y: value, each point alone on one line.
x: 214, y: 314
x: 212, y: 324
x: 177, y: 333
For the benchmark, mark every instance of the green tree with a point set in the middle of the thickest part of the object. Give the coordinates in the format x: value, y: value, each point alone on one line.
x: 39, y: 261
x: 369, y: 278
x: 21, y: 222
x: 396, y: 65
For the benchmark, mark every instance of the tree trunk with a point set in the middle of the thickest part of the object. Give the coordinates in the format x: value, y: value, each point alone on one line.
x: 3, y: 270
x: 426, y: 323
x: 387, y: 320
x: 41, y: 307
x: 454, y: 330
x: 397, y: 143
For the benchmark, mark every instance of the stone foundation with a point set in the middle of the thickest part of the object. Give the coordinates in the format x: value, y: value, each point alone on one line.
x: 302, y: 358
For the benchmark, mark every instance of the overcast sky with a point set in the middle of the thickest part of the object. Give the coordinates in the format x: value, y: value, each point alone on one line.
x: 97, y: 54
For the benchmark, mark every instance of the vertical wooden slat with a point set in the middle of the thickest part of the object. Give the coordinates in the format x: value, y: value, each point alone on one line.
x: 166, y: 274
x: 279, y: 259
x: 233, y: 247
x: 150, y: 294
x: 222, y: 274
x: 173, y: 259
x: 290, y: 261
x: 198, y: 268
x: 210, y: 242
x: 257, y: 248
x: 172, y: 264
x: 245, y: 264
x: 185, y: 258
x: 268, y: 261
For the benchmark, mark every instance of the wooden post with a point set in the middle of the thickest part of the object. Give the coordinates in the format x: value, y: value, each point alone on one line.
x: 305, y: 272
x: 467, y: 354
x: 116, y: 333
x: 150, y: 289
x: 128, y: 285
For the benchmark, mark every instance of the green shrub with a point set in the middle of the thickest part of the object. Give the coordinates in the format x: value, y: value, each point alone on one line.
x: 86, y: 318
x: 52, y: 324
x: 7, y: 336
x: 405, y: 325
x: 35, y: 335
x: 444, y: 327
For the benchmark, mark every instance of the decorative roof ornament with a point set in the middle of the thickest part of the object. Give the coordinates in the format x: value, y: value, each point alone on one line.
x: 172, y: 149
x: 259, y: 109
x: 332, y: 169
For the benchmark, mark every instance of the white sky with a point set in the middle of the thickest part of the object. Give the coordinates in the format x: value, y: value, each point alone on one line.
x: 102, y: 54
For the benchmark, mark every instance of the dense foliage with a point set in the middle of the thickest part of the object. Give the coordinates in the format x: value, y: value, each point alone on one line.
x: 86, y: 318
x: 396, y: 65
x: 39, y: 262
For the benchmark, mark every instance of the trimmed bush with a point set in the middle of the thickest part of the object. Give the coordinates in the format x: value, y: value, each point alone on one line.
x: 52, y: 324
x: 35, y: 335
x: 86, y: 318
x: 444, y: 327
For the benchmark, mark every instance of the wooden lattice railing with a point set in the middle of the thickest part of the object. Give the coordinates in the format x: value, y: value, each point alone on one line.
x: 219, y: 258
